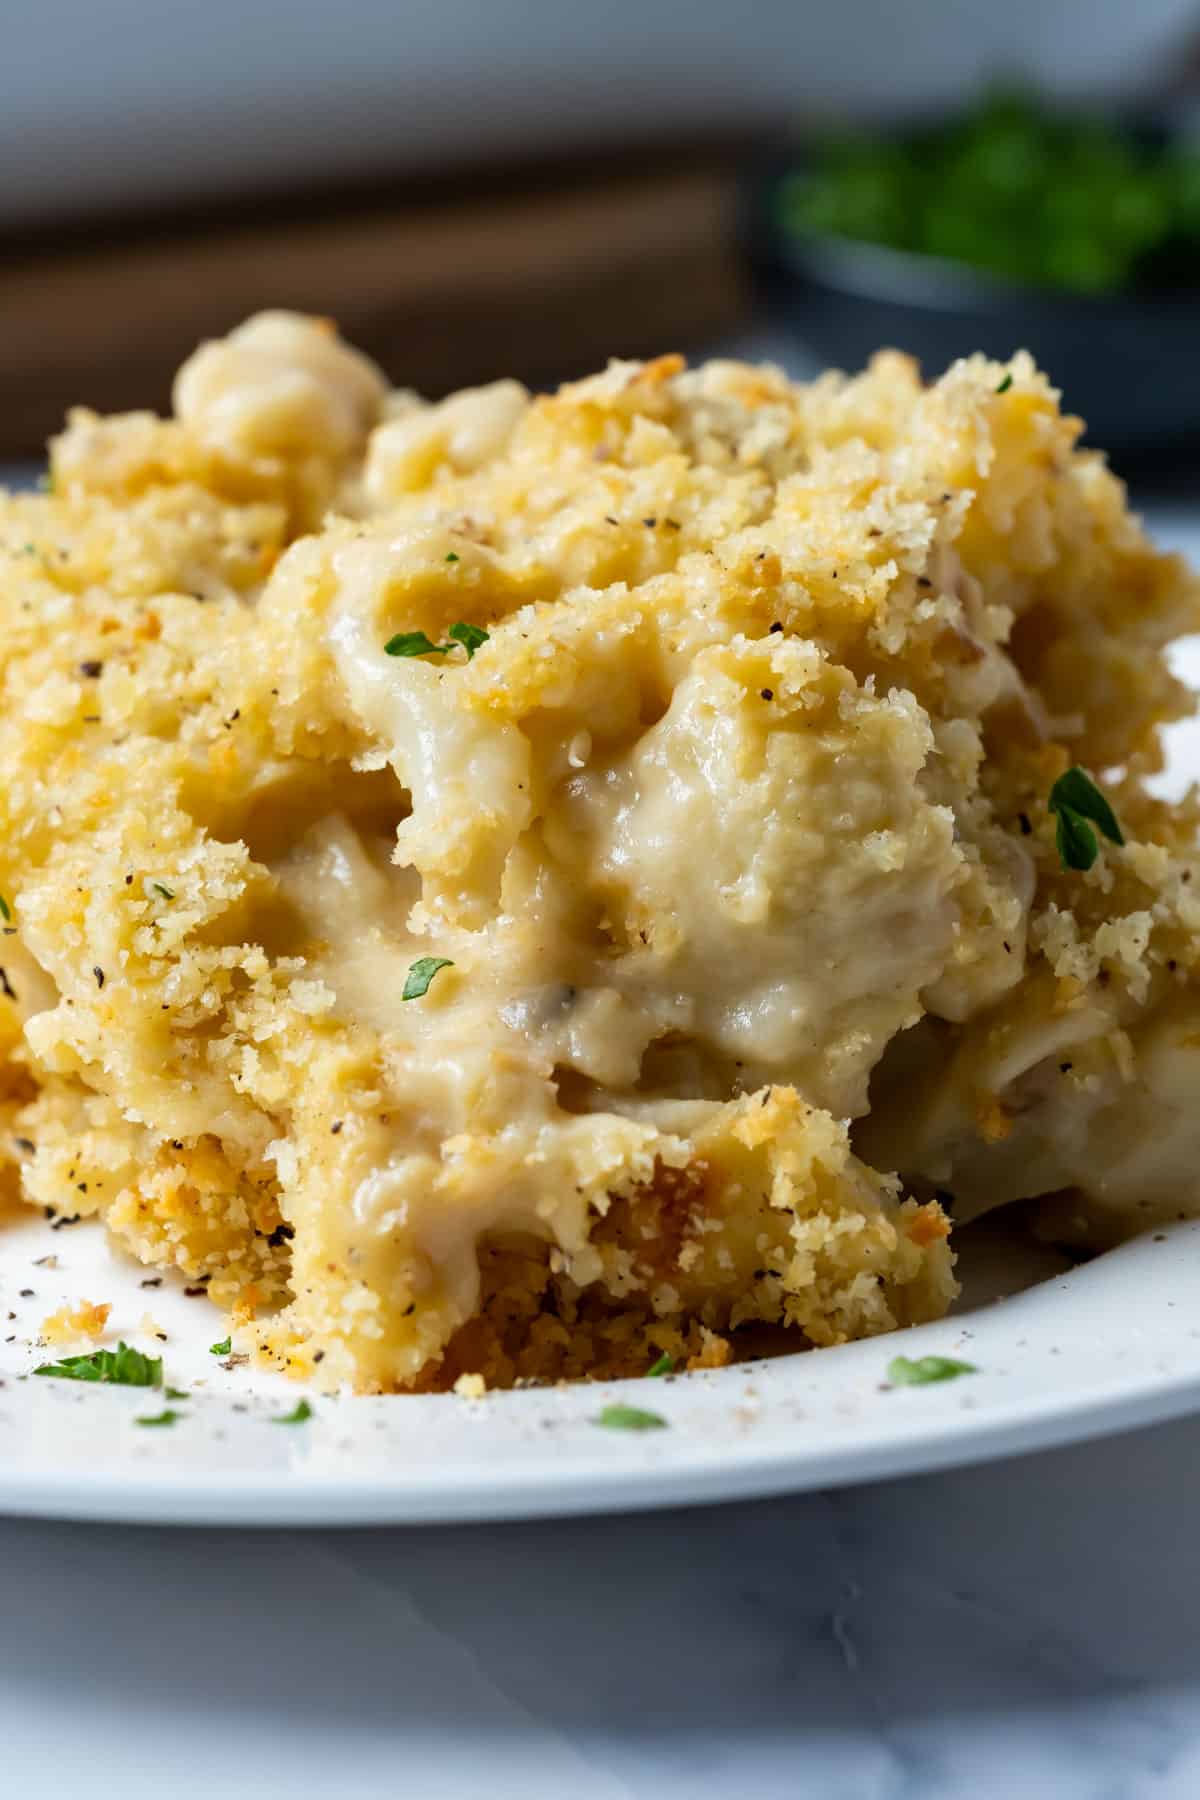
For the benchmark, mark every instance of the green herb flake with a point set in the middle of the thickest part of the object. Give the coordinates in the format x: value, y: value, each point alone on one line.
x: 298, y: 1415
x: 471, y: 637
x: 904, y: 1371
x: 452, y: 556
x: 414, y: 643
x: 421, y: 974
x: 629, y: 1418
x: 221, y: 1349
x: 5, y: 909
x: 1075, y: 840
x: 167, y: 1416
x: 124, y: 1367
x: 1005, y: 384
x: 174, y: 1393
x: 160, y: 887
x: 663, y: 1366
x: 1078, y: 805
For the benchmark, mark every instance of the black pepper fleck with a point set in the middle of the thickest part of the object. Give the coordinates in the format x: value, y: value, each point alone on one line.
x: 98, y: 972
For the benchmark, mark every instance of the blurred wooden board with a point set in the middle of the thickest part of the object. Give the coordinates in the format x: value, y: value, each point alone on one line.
x: 540, y: 283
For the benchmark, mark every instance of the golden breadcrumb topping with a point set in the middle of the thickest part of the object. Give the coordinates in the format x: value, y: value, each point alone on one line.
x: 525, y: 886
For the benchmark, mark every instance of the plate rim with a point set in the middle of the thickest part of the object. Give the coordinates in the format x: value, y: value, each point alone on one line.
x: 632, y: 1480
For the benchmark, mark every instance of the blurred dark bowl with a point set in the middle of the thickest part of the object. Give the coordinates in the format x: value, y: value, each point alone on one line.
x: 1127, y: 363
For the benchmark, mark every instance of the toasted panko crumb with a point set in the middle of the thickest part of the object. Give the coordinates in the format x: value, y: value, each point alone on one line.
x: 70, y: 1324
x: 471, y: 1386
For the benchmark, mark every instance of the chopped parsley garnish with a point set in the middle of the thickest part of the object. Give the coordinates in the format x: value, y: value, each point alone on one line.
x: 221, y: 1349
x: 174, y: 1393
x: 5, y: 909
x: 299, y: 1413
x: 1076, y: 800
x: 662, y: 1366
x: 471, y: 637
x: 124, y: 1366
x: 160, y: 887
x: 167, y: 1416
x: 1004, y: 385
x: 629, y: 1418
x: 904, y: 1371
x: 1014, y: 185
x: 421, y: 974
x: 416, y: 643
x: 452, y: 556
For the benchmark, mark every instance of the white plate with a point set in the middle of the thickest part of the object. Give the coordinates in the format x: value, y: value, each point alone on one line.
x: 1113, y: 1343
x: 1061, y: 1355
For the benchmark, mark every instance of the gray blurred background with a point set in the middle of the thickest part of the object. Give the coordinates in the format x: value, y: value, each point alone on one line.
x: 469, y: 187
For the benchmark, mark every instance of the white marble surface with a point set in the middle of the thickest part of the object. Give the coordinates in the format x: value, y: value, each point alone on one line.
x: 1030, y: 1628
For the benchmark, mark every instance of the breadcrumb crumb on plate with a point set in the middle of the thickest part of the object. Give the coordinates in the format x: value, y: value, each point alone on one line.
x: 71, y: 1324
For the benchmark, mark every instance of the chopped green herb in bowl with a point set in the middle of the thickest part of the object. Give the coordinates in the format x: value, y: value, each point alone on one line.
x: 1033, y: 195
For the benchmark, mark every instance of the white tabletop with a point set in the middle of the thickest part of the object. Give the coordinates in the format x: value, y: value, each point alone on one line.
x: 1028, y: 1628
